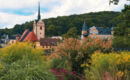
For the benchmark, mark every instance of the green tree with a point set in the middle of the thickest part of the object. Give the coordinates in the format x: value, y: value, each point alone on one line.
x: 122, y: 31
x: 72, y: 33
x: 115, y: 1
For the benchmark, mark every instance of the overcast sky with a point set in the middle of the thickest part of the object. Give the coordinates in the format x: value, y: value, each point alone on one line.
x: 19, y: 11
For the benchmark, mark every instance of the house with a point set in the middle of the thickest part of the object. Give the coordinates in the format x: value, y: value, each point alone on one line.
x: 97, y: 32
x: 4, y: 40
x: 13, y: 39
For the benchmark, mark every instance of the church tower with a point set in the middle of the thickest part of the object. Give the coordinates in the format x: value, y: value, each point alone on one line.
x: 39, y: 26
x: 84, y: 32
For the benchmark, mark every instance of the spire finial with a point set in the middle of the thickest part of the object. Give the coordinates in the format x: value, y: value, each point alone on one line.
x: 39, y: 16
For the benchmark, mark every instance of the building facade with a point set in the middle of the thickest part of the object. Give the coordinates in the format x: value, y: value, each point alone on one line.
x: 37, y: 35
x: 96, y: 32
x: 39, y: 26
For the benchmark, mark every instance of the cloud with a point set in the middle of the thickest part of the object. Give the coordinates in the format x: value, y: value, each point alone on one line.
x: 14, y: 11
x: 69, y: 7
x: 9, y: 20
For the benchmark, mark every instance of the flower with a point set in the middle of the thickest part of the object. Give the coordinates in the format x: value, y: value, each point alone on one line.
x: 120, y: 73
x: 87, y: 65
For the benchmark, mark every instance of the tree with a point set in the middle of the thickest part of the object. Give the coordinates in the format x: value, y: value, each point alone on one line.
x: 50, y: 30
x: 115, y: 1
x: 122, y: 31
x: 72, y: 33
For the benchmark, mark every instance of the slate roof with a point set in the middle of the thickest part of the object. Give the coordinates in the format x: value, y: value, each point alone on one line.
x: 84, y: 27
x: 104, y: 31
x: 48, y: 41
x: 86, y: 34
x: 14, y: 36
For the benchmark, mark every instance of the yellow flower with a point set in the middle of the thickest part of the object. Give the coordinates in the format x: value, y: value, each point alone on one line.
x: 117, y: 55
x: 82, y: 65
x: 87, y: 65
x: 120, y: 73
x: 118, y: 61
x: 111, y: 60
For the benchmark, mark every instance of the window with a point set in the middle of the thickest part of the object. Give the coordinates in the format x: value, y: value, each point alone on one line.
x: 41, y: 28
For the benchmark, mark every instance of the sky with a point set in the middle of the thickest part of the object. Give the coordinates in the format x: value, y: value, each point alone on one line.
x: 14, y: 12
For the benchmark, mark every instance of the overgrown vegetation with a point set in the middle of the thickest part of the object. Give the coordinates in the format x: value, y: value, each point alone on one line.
x: 72, y: 59
x: 23, y: 62
x: 113, y: 65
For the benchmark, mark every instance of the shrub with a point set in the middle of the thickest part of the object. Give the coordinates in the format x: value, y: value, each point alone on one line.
x: 77, y: 51
x: 62, y: 69
x: 22, y: 61
x: 121, y: 43
x: 18, y: 51
x: 117, y: 65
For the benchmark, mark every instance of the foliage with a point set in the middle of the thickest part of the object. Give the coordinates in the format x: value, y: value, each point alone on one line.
x: 115, y: 1
x: 121, y: 43
x: 18, y: 51
x: 61, y: 68
x: 22, y: 61
x: 122, y: 31
x: 0, y: 46
x: 76, y: 52
x: 72, y: 33
x: 59, y: 63
x: 60, y: 25
x: 117, y: 65
x: 63, y: 74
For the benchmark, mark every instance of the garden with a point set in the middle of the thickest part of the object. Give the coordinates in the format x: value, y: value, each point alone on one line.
x: 72, y: 59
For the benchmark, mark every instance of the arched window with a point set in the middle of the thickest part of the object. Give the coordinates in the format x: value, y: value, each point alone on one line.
x: 41, y: 28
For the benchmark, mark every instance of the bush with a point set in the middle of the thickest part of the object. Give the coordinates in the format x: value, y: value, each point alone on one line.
x: 18, y: 51
x: 22, y: 61
x: 77, y: 52
x: 62, y: 69
x: 121, y: 43
x: 114, y: 64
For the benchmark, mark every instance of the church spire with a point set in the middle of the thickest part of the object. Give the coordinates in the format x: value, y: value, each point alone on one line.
x: 84, y: 26
x: 39, y: 16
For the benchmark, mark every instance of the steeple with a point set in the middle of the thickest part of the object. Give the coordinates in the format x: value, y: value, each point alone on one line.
x: 39, y: 26
x: 39, y: 16
x: 84, y: 27
x: 84, y: 32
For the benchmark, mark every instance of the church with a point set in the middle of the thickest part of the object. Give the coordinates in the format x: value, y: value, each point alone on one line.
x: 37, y: 35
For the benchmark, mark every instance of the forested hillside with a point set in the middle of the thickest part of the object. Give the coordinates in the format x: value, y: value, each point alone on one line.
x: 60, y: 25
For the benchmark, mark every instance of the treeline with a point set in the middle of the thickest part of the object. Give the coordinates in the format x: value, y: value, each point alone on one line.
x: 60, y: 25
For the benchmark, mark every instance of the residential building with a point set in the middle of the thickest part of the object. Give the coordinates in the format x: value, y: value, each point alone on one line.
x: 97, y: 32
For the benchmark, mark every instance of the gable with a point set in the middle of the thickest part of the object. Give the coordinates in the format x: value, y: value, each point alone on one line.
x: 25, y: 33
x: 100, y: 30
x: 31, y: 37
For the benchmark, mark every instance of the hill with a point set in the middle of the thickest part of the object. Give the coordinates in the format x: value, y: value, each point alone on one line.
x: 60, y: 25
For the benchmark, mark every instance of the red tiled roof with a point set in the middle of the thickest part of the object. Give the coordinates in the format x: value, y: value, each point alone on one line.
x: 24, y: 34
x: 31, y: 37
